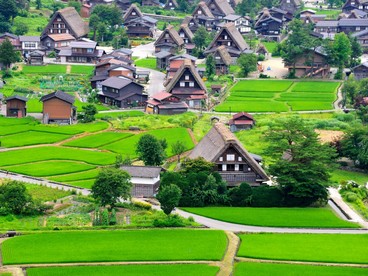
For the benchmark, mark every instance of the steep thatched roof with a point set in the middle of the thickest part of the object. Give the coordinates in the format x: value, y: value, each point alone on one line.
x: 224, y: 54
x: 187, y: 64
x: 204, y: 8
x: 216, y: 141
x: 187, y: 31
x: 72, y: 19
x: 222, y: 5
x: 133, y: 7
x: 173, y: 34
x: 235, y: 35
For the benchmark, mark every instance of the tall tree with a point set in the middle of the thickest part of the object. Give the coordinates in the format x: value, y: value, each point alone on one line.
x: 354, y: 145
x: 178, y: 148
x: 302, y: 163
x: 8, y: 9
x: 7, y: 53
x: 109, y: 14
x: 169, y: 197
x: 93, y: 23
x: 150, y: 151
x: 356, y: 51
x: 298, y: 41
x: 247, y: 63
x: 200, y: 38
x: 210, y: 67
x: 340, y: 52
x: 75, y: 4
x: 111, y: 184
x: 349, y: 90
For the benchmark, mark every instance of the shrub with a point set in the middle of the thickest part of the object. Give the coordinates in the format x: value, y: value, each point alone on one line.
x: 350, y: 197
x: 169, y: 221
x: 261, y: 57
x: 263, y: 76
x: 141, y: 204
x: 266, y: 196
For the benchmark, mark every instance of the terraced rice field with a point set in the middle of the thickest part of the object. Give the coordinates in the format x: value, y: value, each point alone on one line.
x: 108, y: 246
x: 279, y: 96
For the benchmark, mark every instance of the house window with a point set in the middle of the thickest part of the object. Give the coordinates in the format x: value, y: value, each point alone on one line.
x: 360, y: 7
x: 225, y: 36
x: 230, y: 157
x: 186, y: 77
x: 288, y: 1
x: 134, y: 13
x: 224, y: 167
x: 240, y: 159
x: 229, y: 43
x: 358, y: 28
x: 236, y: 167
x: 182, y: 84
x: 89, y: 50
x: 191, y: 84
x: 199, y: 12
x: 221, y: 159
x: 170, y: 4
x: 104, y: 88
x: 51, y: 31
x: 217, y: 57
x: 166, y: 35
x: 59, y: 19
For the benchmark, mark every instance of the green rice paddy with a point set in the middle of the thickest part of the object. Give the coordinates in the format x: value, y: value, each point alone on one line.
x: 108, y: 246
x: 279, y: 96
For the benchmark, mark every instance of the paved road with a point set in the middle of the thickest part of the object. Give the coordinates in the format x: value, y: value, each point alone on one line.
x: 156, y: 82
x: 144, y: 51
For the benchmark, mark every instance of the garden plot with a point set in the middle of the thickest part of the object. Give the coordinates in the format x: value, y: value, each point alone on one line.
x: 109, y: 246
x: 127, y: 270
x: 98, y: 140
x: 90, y: 174
x: 279, y: 96
x: 266, y: 269
x: 275, y: 217
x: 336, y: 248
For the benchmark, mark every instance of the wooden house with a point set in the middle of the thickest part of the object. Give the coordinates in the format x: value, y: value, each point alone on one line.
x: 66, y: 21
x: 56, y: 41
x: 362, y: 38
x: 58, y: 108
x: 229, y: 37
x: 132, y: 13
x: 349, y: 26
x: 144, y: 26
x: 262, y: 50
x: 145, y: 180
x: 360, y: 71
x: 223, y: 60
x: 187, y: 85
x: 36, y: 58
x: 220, y: 8
x: 162, y: 59
x: 312, y: 19
x: 171, y: 5
x: 269, y: 25
x: 241, y: 121
x: 191, y: 22
x: 122, y: 92
x: 165, y: 103
x: 176, y: 62
x: 232, y: 161
x: 29, y: 44
x: 242, y: 23
x: 291, y: 6
x: 80, y: 52
x: 355, y: 4
x: 14, y: 40
x: 203, y: 15
x: 187, y: 35
x: 169, y: 41
x: 16, y: 106
x: 312, y: 64
x: 328, y: 28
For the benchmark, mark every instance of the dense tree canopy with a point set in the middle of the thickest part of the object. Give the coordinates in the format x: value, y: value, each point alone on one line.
x: 355, y: 146
x: 169, y: 197
x: 8, y: 55
x: 150, y: 150
x: 247, y: 64
x: 302, y: 163
x: 111, y: 184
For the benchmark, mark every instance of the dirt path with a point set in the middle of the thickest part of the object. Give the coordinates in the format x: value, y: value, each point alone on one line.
x: 244, y: 259
x: 68, y: 69
x: 339, y: 98
x: 192, y: 136
x: 227, y: 264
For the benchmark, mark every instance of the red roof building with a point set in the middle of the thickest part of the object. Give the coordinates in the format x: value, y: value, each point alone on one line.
x: 241, y: 121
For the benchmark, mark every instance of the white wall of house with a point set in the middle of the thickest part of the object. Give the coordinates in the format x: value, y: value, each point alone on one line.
x: 147, y: 181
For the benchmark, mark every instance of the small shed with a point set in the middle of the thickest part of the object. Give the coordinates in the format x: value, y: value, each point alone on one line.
x: 36, y: 57
x: 162, y: 59
x: 16, y: 106
x: 58, y: 108
x: 262, y: 50
x: 145, y: 180
x: 241, y: 121
x: 216, y: 88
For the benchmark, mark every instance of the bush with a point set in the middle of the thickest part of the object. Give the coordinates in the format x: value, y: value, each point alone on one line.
x: 350, y: 197
x: 264, y: 76
x: 169, y: 221
x: 266, y: 196
x: 261, y: 57
x: 143, y: 205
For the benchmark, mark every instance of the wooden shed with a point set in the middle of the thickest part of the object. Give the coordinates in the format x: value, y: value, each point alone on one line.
x: 16, y: 106
x: 58, y: 108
